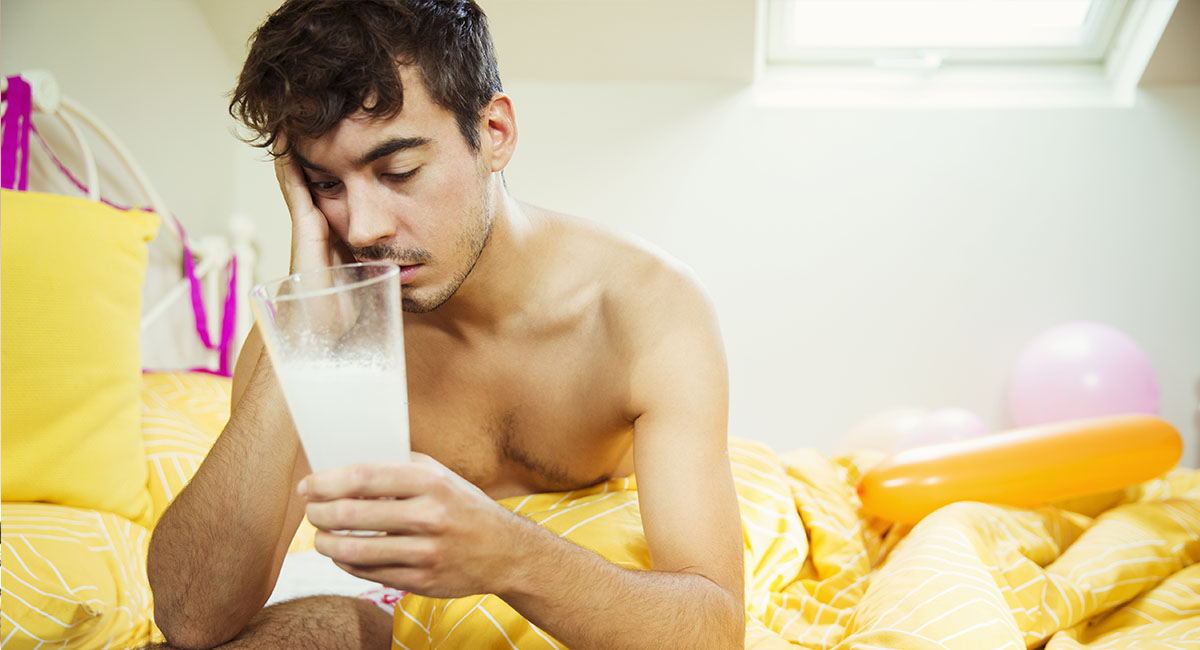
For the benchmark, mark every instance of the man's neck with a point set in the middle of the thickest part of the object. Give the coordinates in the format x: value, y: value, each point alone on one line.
x: 502, y: 280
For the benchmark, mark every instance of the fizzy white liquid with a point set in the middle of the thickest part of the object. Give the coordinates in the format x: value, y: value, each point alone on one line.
x: 347, y: 415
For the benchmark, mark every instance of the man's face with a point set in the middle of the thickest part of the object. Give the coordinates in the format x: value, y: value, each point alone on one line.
x: 408, y: 190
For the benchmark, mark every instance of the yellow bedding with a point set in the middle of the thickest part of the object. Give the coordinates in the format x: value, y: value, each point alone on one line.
x: 819, y: 575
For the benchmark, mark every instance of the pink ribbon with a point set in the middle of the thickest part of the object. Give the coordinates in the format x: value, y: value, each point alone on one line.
x: 14, y: 159
x: 17, y: 125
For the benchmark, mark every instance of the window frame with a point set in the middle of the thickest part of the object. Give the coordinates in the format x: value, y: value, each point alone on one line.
x: 1099, y: 31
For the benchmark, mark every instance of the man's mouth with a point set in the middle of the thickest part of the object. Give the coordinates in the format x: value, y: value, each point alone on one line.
x: 408, y: 272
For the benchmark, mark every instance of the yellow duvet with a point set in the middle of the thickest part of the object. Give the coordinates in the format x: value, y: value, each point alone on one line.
x: 820, y: 575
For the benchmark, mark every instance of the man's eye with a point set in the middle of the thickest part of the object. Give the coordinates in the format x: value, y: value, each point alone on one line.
x: 402, y: 176
x: 324, y: 186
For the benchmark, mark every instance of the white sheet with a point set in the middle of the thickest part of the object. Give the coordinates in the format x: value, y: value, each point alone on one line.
x: 308, y: 573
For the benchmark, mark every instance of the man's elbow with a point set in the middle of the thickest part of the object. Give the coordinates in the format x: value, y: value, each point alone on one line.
x: 184, y: 627
x: 190, y: 631
x: 183, y: 636
x: 188, y: 610
x: 171, y: 612
x: 189, y: 628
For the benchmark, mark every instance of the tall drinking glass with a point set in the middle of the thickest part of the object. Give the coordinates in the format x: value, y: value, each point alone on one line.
x: 336, y: 339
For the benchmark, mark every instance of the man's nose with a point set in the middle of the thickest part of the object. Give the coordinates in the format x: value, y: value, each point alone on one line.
x: 370, y: 222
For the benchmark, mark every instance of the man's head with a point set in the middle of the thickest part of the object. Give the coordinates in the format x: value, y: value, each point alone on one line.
x: 315, y: 62
x: 392, y: 110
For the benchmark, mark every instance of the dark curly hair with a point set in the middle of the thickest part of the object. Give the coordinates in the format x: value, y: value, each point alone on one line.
x: 314, y: 62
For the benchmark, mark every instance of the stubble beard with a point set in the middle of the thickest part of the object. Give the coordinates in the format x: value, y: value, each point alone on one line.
x: 473, y: 242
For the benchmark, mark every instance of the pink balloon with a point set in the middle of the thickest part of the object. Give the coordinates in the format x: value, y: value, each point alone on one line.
x: 882, y: 430
x: 943, y: 425
x: 1081, y: 370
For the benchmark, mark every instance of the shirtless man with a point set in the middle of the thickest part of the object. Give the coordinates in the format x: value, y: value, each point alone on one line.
x: 544, y: 354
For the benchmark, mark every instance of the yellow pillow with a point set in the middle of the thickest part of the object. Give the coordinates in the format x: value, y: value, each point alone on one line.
x: 182, y: 415
x: 71, y: 272
x: 73, y: 575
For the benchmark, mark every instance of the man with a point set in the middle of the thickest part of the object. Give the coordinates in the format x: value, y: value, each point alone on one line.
x: 544, y: 354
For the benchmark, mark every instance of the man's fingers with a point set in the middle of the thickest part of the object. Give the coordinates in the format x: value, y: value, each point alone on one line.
x: 413, y: 516
x: 417, y: 581
x: 312, y: 244
x: 379, y: 550
x: 371, y: 480
x: 293, y: 184
x: 425, y: 459
x: 284, y: 165
x: 279, y: 147
x: 292, y: 181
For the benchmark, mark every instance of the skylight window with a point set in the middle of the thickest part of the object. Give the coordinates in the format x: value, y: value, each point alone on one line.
x: 932, y: 32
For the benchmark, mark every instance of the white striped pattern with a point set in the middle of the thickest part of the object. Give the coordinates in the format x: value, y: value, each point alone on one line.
x: 819, y: 575
x: 76, y: 578
x: 62, y: 589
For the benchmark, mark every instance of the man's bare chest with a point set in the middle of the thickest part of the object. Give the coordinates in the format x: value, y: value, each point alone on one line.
x: 522, y: 418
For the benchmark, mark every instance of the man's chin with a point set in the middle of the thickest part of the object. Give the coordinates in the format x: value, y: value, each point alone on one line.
x: 414, y: 307
x: 415, y: 301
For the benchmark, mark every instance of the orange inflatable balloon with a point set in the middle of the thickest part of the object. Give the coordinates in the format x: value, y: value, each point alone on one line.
x: 1023, y: 467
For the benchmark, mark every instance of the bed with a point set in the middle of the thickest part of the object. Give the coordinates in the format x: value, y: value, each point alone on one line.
x: 102, y: 449
x: 1114, y: 570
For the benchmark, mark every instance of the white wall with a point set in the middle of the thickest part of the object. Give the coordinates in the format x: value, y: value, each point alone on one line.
x: 868, y: 259
x: 151, y: 70
x: 859, y: 259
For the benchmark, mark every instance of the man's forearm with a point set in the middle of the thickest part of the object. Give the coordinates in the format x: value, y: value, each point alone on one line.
x: 586, y: 602
x: 211, y: 560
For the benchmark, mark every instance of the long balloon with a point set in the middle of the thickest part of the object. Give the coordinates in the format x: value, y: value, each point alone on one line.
x: 1023, y: 467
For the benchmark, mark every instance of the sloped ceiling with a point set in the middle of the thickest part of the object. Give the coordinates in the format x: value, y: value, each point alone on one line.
x: 578, y: 40
x: 232, y: 22
x: 652, y: 40
x: 1177, y: 57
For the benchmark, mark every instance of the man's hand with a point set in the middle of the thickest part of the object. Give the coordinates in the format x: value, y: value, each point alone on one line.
x: 314, y: 245
x: 441, y: 536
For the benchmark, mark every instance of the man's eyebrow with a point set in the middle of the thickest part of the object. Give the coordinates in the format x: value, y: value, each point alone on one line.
x: 305, y: 163
x: 391, y: 146
x: 385, y: 148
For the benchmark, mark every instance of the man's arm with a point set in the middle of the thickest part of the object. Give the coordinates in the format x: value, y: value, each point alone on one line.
x: 217, y: 551
x: 457, y: 541
x: 693, y: 597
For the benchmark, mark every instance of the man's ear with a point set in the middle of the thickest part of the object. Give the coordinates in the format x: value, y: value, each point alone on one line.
x: 498, y: 129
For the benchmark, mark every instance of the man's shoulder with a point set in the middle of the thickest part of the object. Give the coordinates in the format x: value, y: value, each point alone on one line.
x: 633, y: 271
x: 642, y: 287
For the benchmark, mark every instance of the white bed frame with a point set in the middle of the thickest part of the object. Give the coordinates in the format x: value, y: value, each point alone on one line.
x: 212, y: 253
